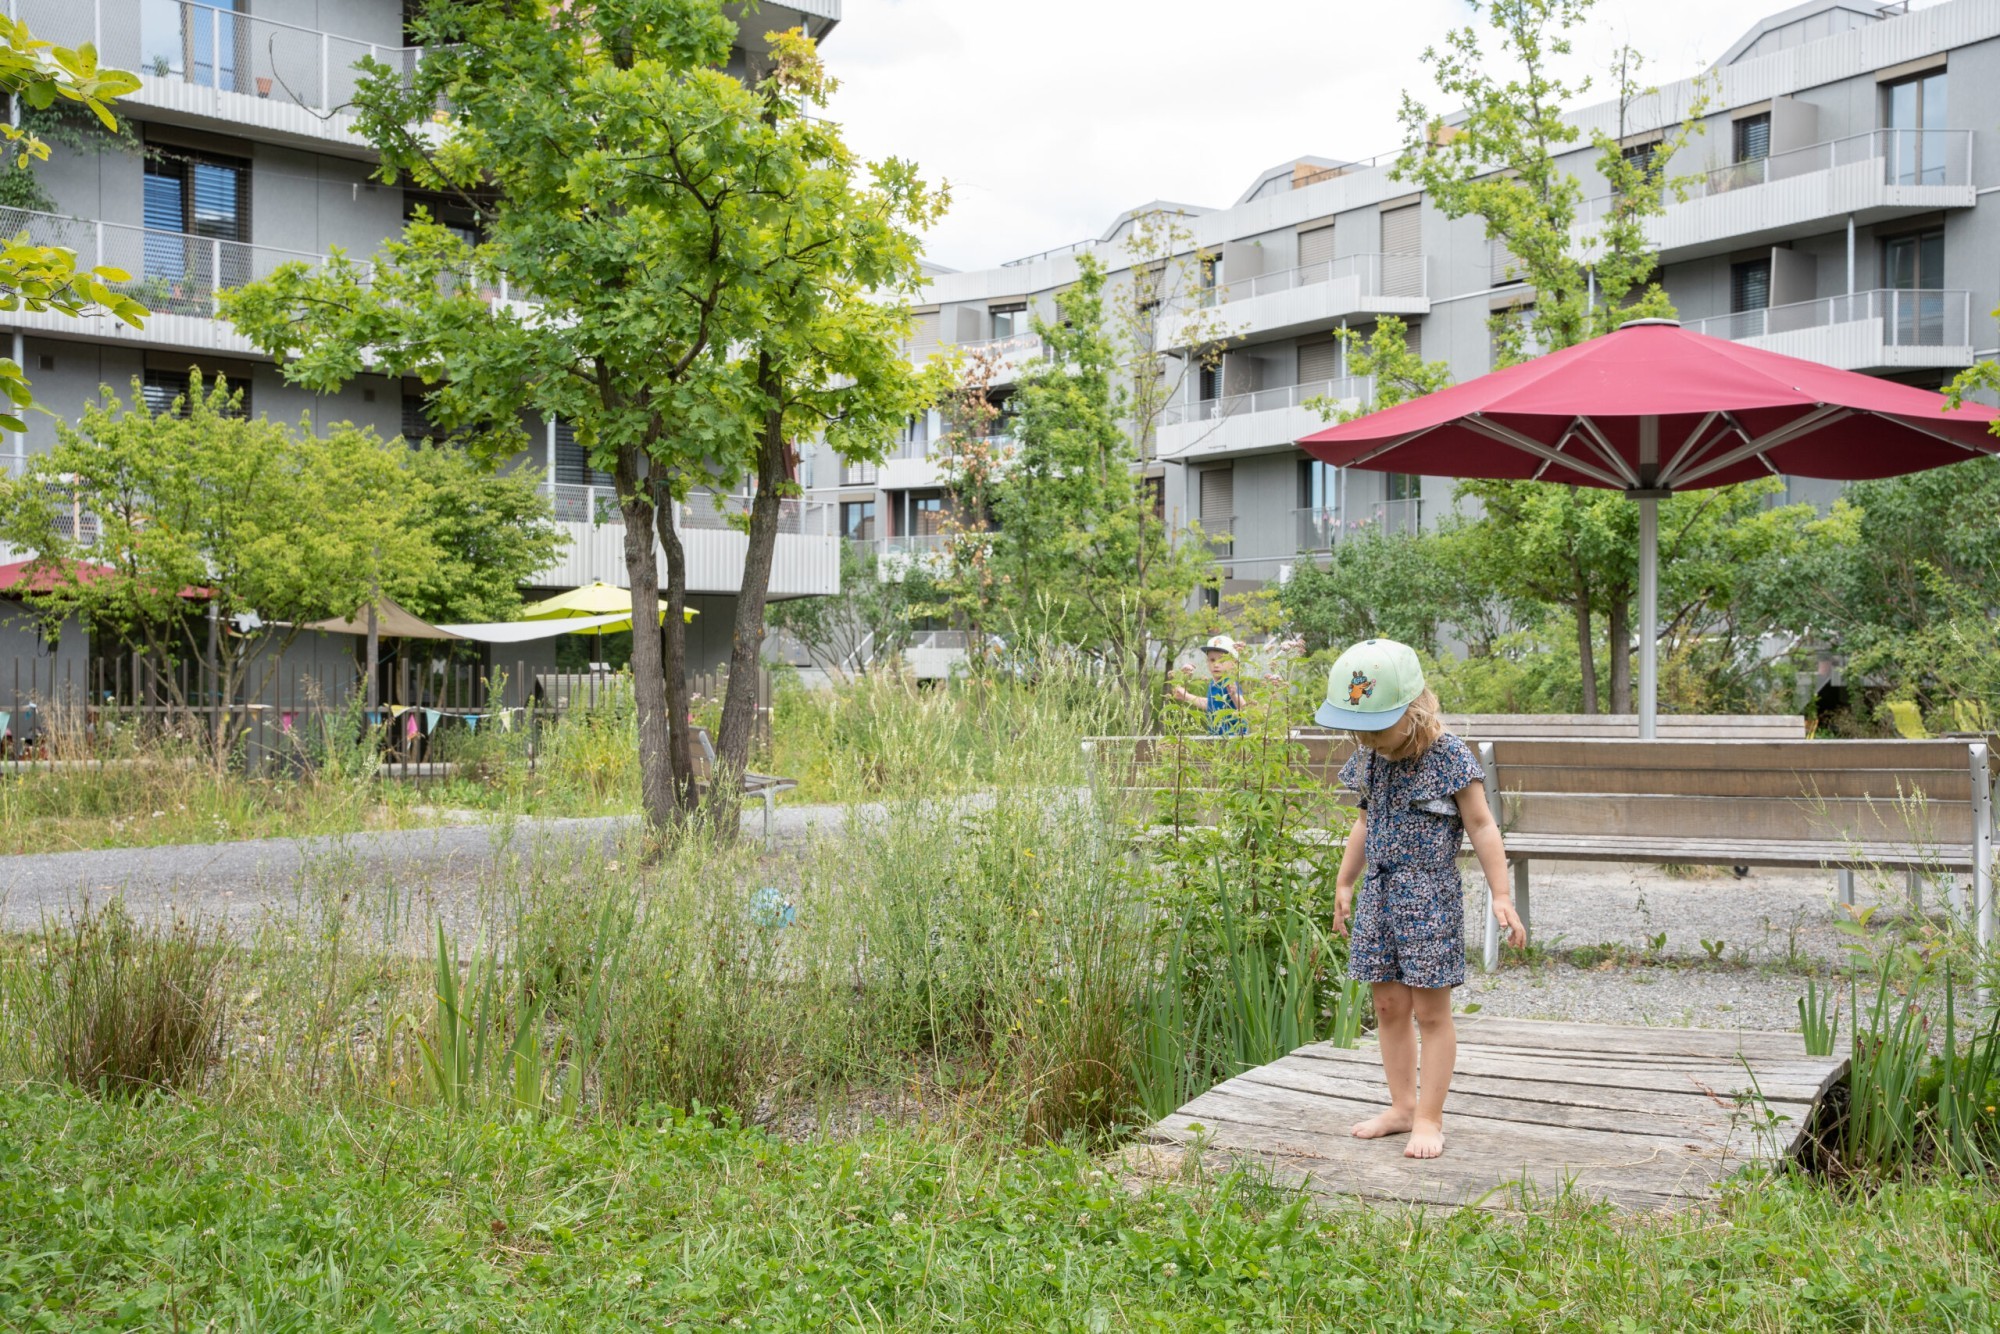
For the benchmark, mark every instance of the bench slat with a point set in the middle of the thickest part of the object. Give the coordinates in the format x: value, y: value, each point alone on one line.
x: 1838, y: 821
x: 1882, y: 784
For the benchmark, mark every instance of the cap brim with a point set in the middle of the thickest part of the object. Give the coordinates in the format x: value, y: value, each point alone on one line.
x: 1329, y: 714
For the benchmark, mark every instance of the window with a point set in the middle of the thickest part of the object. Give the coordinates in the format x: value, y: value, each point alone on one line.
x: 925, y: 513
x: 1403, y: 486
x: 1913, y: 266
x: 1208, y: 383
x: 458, y: 217
x: 1913, y: 113
x: 1752, y: 136
x: 199, y: 44
x: 1646, y: 157
x: 572, y: 464
x: 1319, y: 505
x: 1749, y: 286
x: 416, y: 422
x: 166, y: 392
x: 196, y: 209
x: 1315, y: 247
x: 1319, y: 362
x: 857, y: 520
x: 1010, y: 320
x: 1156, y: 492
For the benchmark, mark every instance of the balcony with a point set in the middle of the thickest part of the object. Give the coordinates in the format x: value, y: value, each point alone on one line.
x: 200, y: 62
x: 174, y: 274
x: 1005, y: 359
x: 1875, y: 177
x: 1261, y: 422
x: 1886, y: 329
x: 1322, y: 528
x: 1312, y: 297
x: 806, y: 562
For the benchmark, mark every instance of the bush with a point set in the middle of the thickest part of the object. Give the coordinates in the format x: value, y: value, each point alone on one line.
x: 119, y: 1007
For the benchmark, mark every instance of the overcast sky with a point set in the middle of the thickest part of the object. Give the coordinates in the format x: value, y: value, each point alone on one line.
x: 1050, y: 117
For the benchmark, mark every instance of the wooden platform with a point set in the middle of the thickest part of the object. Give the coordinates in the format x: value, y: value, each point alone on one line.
x: 1646, y: 1118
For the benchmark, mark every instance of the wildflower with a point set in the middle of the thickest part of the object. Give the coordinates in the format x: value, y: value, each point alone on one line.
x: 1083, y: 1220
x: 899, y: 1217
x: 1048, y: 1268
x: 1169, y: 1269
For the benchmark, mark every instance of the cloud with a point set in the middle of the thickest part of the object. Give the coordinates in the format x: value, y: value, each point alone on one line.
x: 1050, y: 117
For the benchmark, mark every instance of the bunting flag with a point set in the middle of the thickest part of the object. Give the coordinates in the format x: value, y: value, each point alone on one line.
x: 506, y: 720
x: 285, y: 721
x: 5, y: 718
x: 430, y: 721
x: 398, y: 710
x: 374, y: 717
x: 410, y: 727
x: 472, y: 722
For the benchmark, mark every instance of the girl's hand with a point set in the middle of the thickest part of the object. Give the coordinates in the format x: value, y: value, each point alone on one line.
x: 1343, y: 910
x: 1510, y: 922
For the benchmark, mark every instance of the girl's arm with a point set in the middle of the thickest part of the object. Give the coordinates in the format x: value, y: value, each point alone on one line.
x: 1492, y: 854
x: 1351, y: 859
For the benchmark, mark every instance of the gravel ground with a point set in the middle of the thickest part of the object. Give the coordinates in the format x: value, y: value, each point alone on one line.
x: 1595, y: 926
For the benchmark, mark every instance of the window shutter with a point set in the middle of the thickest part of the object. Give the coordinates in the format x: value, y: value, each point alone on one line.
x: 572, y: 467
x: 1749, y: 286
x: 1507, y: 267
x: 1218, y: 498
x: 1402, y: 235
x: 1413, y: 339
x: 1319, y: 361
x: 924, y: 330
x: 1315, y: 247
x: 1753, y: 137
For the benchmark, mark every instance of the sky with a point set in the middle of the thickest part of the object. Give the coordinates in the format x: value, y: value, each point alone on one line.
x: 1048, y: 118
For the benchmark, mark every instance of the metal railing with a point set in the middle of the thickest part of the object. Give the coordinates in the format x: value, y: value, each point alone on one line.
x: 574, y: 503
x: 1380, y: 275
x: 173, y: 273
x: 1321, y: 528
x: 914, y: 544
x: 1262, y: 400
x: 73, y: 523
x: 1909, y: 157
x: 1910, y: 317
x: 183, y: 41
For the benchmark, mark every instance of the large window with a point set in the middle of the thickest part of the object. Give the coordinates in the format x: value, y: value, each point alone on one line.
x: 1010, y: 320
x: 857, y: 520
x: 1752, y: 137
x: 1913, y: 112
x: 194, y: 43
x: 166, y: 392
x: 197, y: 210
x: 1913, y: 265
x: 1749, y: 286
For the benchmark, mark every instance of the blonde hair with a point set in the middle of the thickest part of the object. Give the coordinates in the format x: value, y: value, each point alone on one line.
x: 1426, y: 720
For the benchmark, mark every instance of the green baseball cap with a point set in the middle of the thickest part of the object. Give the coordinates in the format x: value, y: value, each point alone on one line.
x: 1371, y: 686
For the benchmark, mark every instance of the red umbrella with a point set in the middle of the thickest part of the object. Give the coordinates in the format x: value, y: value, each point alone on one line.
x: 1651, y: 409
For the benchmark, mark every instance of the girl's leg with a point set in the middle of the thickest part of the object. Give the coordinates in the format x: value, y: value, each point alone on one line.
x: 1440, y: 1055
x: 1399, y: 1061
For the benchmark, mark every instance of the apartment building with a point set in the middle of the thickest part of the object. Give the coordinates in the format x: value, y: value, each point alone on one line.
x: 246, y: 157
x: 1843, y: 211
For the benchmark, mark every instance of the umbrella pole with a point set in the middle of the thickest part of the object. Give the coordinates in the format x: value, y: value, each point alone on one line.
x: 1649, y: 617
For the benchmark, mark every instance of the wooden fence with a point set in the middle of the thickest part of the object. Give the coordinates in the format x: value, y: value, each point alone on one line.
x: 288, y: 716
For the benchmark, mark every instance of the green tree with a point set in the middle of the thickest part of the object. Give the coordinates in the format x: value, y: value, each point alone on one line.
x: 700, y: 254
x: 866, y: 623
x: 1394, y: 374
x: 266, y: 521
x: 40, y: 77
x: 1587, y: 267
x: 1082, y: 556
x: 1413, y: 587
x: 491, y: 532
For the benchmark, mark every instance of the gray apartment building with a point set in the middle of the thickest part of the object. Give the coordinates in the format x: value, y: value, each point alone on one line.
x: 1843, y: 212
x: 248, y: 158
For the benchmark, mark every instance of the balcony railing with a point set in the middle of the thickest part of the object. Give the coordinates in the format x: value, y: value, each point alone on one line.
x: 575, y: 503
x: 1379, y: 275
x: 173, y: 273
x: 1910, y: 317
x: 1322, y: 528
x: 915, y: 544
x: 1262, y: 400
x: 186, y: 42
x: 1909, y: 157
x: 73, y: 523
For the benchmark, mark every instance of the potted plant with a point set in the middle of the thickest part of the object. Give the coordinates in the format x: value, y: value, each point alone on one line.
x: 263, y: 85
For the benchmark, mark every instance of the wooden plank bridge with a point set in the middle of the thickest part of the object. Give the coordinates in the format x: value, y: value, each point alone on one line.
x: 1645, y: 1118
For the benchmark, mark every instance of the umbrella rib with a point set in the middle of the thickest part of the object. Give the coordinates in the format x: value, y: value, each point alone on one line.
x: 1606, y: 452
x: 1382, y: 449
x: 1506, y: 435
x: 1694, y: 438
x: 1823, y: 415
x: 1925, y: 430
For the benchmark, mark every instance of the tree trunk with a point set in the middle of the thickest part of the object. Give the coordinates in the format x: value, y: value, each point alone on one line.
x: 1621, y: 655
x: 1586, y: 659
x: 656, y: 779
x: 739, y: 702
x: 672, y: 641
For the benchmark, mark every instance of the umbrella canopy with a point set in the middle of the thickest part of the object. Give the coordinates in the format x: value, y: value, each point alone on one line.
x: 594, y: 599
x: 1651, y: 409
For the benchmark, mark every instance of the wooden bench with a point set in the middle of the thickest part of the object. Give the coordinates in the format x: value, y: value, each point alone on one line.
x: 764, y: 787
x: 1617, y: 726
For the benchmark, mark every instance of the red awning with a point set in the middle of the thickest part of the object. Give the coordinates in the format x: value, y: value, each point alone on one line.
x: 1725, y: 412
x: 17, y: 580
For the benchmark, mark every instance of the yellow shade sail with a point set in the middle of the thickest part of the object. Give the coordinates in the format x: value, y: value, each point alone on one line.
x: 595, y: 599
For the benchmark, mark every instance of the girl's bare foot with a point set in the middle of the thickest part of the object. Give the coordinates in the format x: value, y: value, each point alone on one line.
x: 1391, y: 1122
x: 1426, y: 1140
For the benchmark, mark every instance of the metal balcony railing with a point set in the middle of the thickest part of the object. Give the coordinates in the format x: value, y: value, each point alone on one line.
x: 173, y: 273
x: 599, y: 504
x: 1321, y: 528
x: 183, y: 41
x: 1379, y: 275
x: 1262, y: 400
x: 914, y: 544
x: 1910, y: 317
x: 1909, y: 157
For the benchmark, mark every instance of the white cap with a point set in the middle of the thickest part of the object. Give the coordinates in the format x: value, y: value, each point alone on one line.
x: 1221, y: 644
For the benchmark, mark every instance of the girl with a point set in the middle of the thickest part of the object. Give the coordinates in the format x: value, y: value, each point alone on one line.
x: 1420, y: 793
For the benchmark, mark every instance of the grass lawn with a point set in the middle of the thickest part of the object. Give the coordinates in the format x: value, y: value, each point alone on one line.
x: 184, y: 1215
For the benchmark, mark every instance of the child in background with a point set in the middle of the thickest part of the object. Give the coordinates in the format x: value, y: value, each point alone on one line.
x: 1224, y: 704
x: 1421, y: 792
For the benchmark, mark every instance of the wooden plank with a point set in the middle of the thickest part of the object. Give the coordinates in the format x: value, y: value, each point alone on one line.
x: 1883, y: 784
x: 1645, y: 1038
x: 1725, y: 1081
x: 1735, y: 852
x: 1791, y: 756
x: 1637, y: 815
